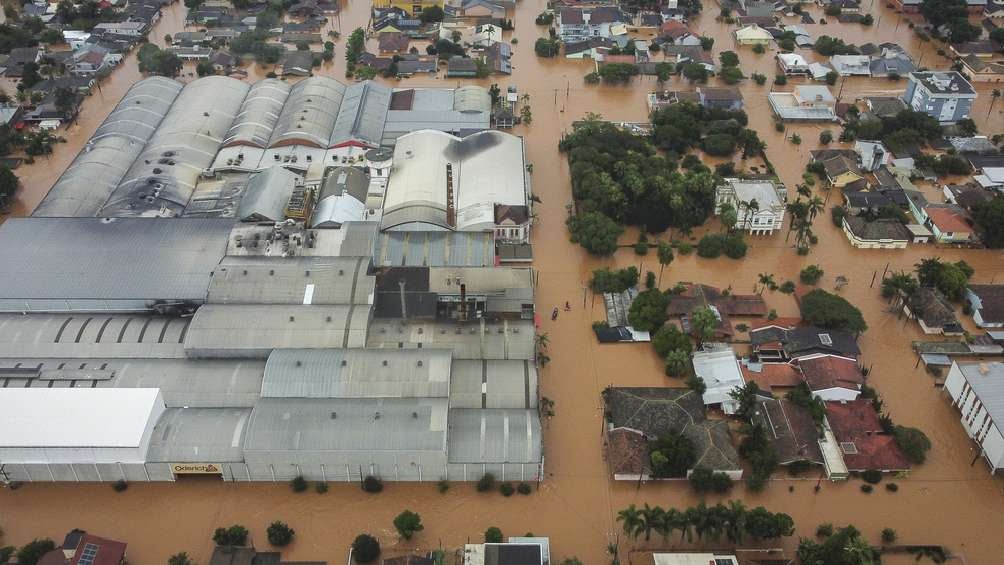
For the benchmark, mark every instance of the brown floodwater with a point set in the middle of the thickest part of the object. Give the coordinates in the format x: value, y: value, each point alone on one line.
x: 945, y: 501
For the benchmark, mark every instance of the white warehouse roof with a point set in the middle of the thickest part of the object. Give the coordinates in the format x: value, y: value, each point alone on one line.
x: 77, y: 417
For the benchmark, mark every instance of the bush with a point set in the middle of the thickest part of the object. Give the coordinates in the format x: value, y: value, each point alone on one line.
x: 759, y: 49
x: 641, y: 248
x: 650, y: 280
x: 710, y: 246
x: 372, y: 484
x: 523, y: 488
x: 120, y: 485
x: 824, y: 530
x: 888, y: 535
x: 407, y: 523
x: 759, y: 78
x: 796, y: 139
x: 592, y: 78
x: 810, y: 274
x: 685, y: 248
x: 780, y: 80
x: 279, y: 533
x: 872, y: 476
x: 507, y: 489
x: 914, y: 443
x: 486, y: 482
x: 235, y: 535
x: 891, y: 487
x: 605, y: 280
x: 298, y: 484
x: 787, y: 287
x: 866, y: 488
x: 696, y: 384
x: 365, y: 548
x: 704, y: 480
x: 33, y: 551
x: 825, y: 137
x: 735, y: 247
x: 493, y: 535
x: 181, y: 558
x: 443, y: 486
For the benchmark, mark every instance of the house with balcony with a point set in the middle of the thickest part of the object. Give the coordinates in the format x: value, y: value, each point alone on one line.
x: 944, y: 95
x: 807, y: 103
x: 759, y: 204
x: 580, y: 24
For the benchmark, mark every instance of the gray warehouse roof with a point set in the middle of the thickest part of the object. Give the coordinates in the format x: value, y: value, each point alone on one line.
x: 161, y: 180
x: 503, y: 340
x: 196, y: 435
x: 292, y: 280
x: 310, y: 113
x: 362, y: 115
x: 314, y: 424
x: 258, y: 114
x: 494, y: 383
x: 99, y: 167
x: 255, y: 330
x: 494, y: 436
x: 357, y: 373
x: 102, y: 336
x: 434, y: 249
x: 266, y: 195
x: 987, y: 381
x: 102, y: 259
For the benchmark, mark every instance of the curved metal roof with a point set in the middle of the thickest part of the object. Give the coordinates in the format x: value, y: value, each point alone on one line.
x: 99, y: 167
x: 162, y: 178
x: 259, y: 114
x: 472, y: 99
x: 309, y: 116
x: 266, y: 195
x: 362, y: 115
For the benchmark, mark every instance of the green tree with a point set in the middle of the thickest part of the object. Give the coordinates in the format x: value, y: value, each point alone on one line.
x: 279, y: 533
x: 365, y: 548
x: 432, y: 14
x: 648, y: 311
x: 745, y: 398
x: 707, y: 43
x: 595, y: 232
x: 703, y: 323
x: 493, y: 535
x: 8, y: 184
x: 408, y: 523
x: 731, y: 75
x: 989, y: 216
x: 914, y: 443
x: 694, y: 72
x: 546, y: 47
x: 825, y: 310
x: 672, y: 456
x: 844, y: 547
x: 355, y: 46
x: 670, y: 338
x: 729, y: 59
x: 761, y: 524
x: 204, y: 69
x: 665, y: 256
x: 617, y: 73
x: 33, y: 551
x: 180, y: 559
x: 810, y: 274
x: 678, y: 363
x: 235, y: 535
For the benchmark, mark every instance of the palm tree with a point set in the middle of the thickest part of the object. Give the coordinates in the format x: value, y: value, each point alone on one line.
x: 665, y: 254
x: 804, y: 190
x: 816, y: 206
x: 994, y: 95
x: 632, y: 519
x: 688, y: 523
x: 765, y: 280
x: 700, y: 519
x: 675, y: 520
x: 737, y: 521
x: 752, y: 207
x: 651, y: 518
x: 798, y: 210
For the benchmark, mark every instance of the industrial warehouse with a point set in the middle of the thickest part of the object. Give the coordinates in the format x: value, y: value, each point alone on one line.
x: 208, y: 290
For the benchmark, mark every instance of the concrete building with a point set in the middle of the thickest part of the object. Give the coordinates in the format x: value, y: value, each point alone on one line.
x: 807, y: 103
x: 759, y: 205
x: 977, y: 391
x: 944, y: 95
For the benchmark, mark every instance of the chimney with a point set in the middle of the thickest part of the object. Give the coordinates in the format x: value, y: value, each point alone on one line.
x: 404, y: 308
x: 463, y: 301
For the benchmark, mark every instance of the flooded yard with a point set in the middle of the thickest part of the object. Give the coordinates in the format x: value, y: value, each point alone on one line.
x: 948, y: 500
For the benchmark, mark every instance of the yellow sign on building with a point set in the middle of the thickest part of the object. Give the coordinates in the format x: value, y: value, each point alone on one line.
x: 196, y: 469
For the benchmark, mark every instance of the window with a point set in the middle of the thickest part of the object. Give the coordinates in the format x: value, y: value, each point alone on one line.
x: 825, y: 339
x: 848, y: 448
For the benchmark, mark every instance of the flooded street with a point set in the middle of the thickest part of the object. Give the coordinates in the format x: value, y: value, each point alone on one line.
x: 945, y: 501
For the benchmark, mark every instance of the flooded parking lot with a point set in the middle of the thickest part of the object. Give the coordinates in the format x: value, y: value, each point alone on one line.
x: 948, y: 500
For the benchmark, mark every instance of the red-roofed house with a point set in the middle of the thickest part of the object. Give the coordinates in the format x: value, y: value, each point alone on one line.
x: 831, y: 377
x: 677, y: 33
x: 862, y: 441
x: 948, y: 224
x: 771, y: 376
x: 82, y: 548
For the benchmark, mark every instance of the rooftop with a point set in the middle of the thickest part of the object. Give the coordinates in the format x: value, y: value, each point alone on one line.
x: 830, y: 371
x: 857, y: 428
x: 943, y: 82
x: 987, y: 381
x: 881, y: 229
x: 791, y: 430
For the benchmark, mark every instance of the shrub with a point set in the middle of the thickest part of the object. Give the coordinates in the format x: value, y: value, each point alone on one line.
x: 759, y: 78
x: 837, y: 214
x: 810, y: 274
x: 181, y: 558
x: 824, y: 530
x: 298, y: 484
x: 872, y: 476
x: 759, y: 49
x: 120, y: 485
x: 735, y: 247
x: 365, y: 548
x: 507, y: 489
x: 493, y: 535
x: 888, y: 535
x: 641, y: 248
x: 825, y: 137
x: 486, y: 482
x: 796, y: 139
x: 372, y: 484
x: 408, y: 523
x: 235, y: 535
x: 33, y: 551
x: 914, y: 443
x: 685, y: 248
x: 650, y: 280
x: 695, y: 383
x: 866, y: 488
x: 523, y: 488
x: 279, y: 533
x: 787, y: 287
x: 705, y: 480
x: 710, y: 246
x: 592, y: 78
x: 891, y: 487
x: 443, y: 486
x: 321, y: 488
x: 780, y: 80
x: 831, y: 311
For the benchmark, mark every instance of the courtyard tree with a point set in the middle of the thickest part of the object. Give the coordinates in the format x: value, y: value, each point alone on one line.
x: 829, y: 311
x: 408, y: 523
x: 365, y: 548
x: 703, y: 323
x: 648, y: 311
x: 279, y: 533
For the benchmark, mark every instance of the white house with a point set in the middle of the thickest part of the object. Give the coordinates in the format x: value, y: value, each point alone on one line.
x: 987, y: 304
x: 851, y: 65
x: 759, y: 205
x: 977, y: 390
x: 832, y: 377
x: 719, y: 369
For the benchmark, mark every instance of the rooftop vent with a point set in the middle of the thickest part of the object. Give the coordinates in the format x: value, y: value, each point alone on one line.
x: 299, y: 363
x: 384, y: 362
x: 376, y: 416
x: 419, y: 362
x: 344, y: 362
x: 334, y: 415
x: 292, y: 318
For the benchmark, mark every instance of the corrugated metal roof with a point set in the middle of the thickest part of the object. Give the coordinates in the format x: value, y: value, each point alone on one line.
x: 85, y: 335
x: 987, y: 381
x: 309, y: 114
x: 503, y: 340
x: 355, y: 424
x: 476, y: 383
x: 111, y: 259
x: 255, y: 330
x: 267, y: 194
x: 292, y: 280
x: 357, y: 373
x: 494, y: 436
x: 362, y: 114
x: 199, y: 435
x: 258, y: 114
x: 434, y: 249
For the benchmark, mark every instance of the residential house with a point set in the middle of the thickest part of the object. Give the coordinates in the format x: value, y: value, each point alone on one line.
x: 664, y: 98
x: 807, y: 103
x: 462, y: 67
x: 718, y: 368
x: 791, y: 431
x: 892, y: 62
x: 980, y: 70
x: 851, y: 65
x: 982, y: 49
x: 720, y: 98
x: 979, y: 144
x: 884, y: 106
x: 872, y: 155
x: 967, y: 196
x: 691, y: 558
x: 933, y: 312
x: 82, y: 548
x: 379, y: 63
x: 674, y: 32
x: 18, y: 58
x: 393, y: 43
x: 831, y: 377
x: 944, y: 95
x: 132, y: 29
x: 753, y: 35
x: 637, y: 417
x: 760, y: 204
x: 499, y: 58
x: 411, y: 67
x: 579, y: 24
x: 412, y: 7
x: 589, y: 48
x: 994, y: 10
x: 222, y: 61
x: 865, y: 201
x: 846, y: 6
x: 948, y: 223
x: 771, y: 378
x: 987, y: 303
x: 977, y: 391
x: 724, y: 304
x: 91, y: 61
x: 516, y: 551
x: 906, y: 6
x: 793, y: 64
x: 297, y: 63
x: 75, y: 38
x: 841, y: 166
x: 682, y: 54
x: 775, y: 343
x: 885, y: 233
x: 190, y: 53
x: 493, y: 11
x: 863, y: 442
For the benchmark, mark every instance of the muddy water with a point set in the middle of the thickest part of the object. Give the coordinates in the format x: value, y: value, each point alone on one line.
x: 945, y: 501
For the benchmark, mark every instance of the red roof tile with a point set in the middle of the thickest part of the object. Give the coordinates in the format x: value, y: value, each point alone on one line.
x: 830, y: 371
x: 948, y: 220
x: 109, y: 552
x: 772, y: 375
x: 857, y: 428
